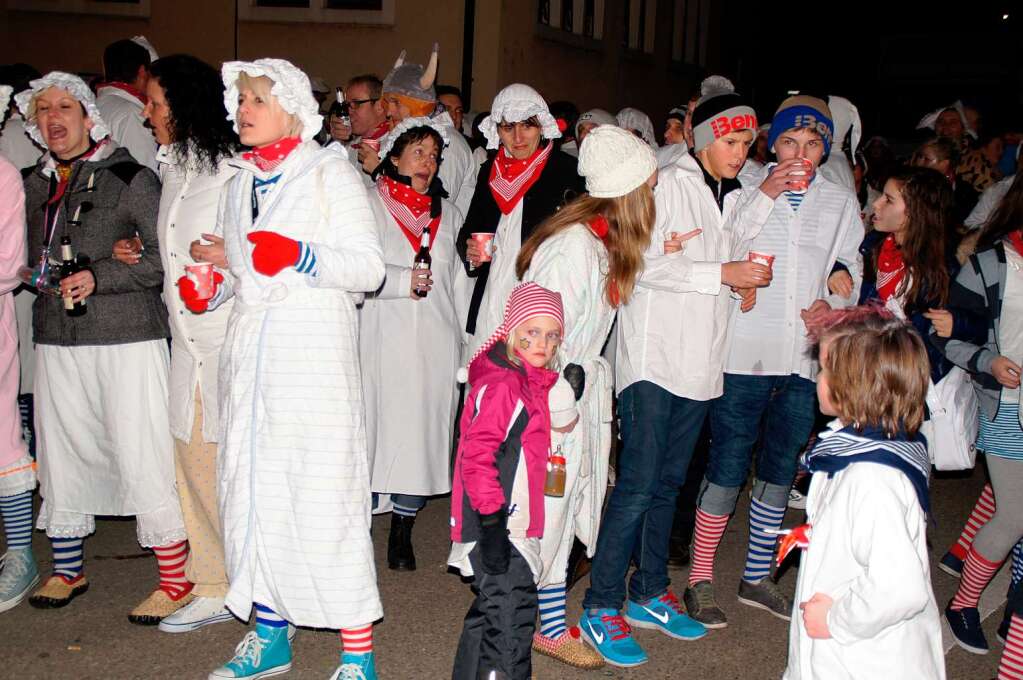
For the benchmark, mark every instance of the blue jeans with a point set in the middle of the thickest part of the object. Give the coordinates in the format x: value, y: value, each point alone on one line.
x: 659, y: 431
x: 404, y: 500
x: 779, y: 410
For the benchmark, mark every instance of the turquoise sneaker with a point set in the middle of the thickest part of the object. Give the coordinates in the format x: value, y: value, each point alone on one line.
x: 356, y: 667
x: 258, y: 657
x: 19, y: 576
x: 607, y: 632
x: 664, y: 613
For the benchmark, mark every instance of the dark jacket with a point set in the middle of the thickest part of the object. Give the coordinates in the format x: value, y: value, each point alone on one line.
x: 126, y: 305
x: 915, y: 309
x: 558, y: 184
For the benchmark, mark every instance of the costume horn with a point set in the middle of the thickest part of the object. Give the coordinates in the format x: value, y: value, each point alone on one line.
x: 400, y: 60
x: 426, y: 82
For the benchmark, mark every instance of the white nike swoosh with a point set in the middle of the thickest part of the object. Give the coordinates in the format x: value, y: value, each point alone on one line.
x: 663, y: 618
x: 597, y: 637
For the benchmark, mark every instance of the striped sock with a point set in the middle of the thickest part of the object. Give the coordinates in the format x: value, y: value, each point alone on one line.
x: 67, y: 557
x: 17, y: 513
x: 268, y: 618
x: 404, y: 510
x: 171, y: 561
x: 1011, y: 666
x: 706, y: 539
x: 357, y: 640
x: 763, y: 519
x: 1017, y: 564
x: 977, y: 573
x: 551, y: 601
x: 982, y: 513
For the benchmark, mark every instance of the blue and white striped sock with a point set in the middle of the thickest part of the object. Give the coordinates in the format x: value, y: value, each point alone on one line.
x: 306, y: 259
x: 404, y: 510
x: 268, y: 618
x: 762, y: 519
x: 1017, y: 564
x: 67, y: 557
x: 17, y: 513
x: 551, y: 600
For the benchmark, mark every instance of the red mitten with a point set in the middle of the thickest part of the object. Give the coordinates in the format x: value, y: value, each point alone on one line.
x: 190, y: 296
x: 273, y: 252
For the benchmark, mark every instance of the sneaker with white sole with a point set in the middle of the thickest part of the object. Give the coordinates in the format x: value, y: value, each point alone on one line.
x: 797, y: 500
x: 256, y: 657
x: 607, y: 632
x: 356, y: 667
x: 664, y: 613
x: 19, y: 576
x: 767, y: 596
x: 202, y: 611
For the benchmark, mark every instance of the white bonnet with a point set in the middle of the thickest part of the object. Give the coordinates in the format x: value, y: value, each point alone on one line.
x: 290, y: 86
x: 5, y: 99
x: 634, y: 119
x: 407, y: 124
x: 72, y: 84
x: 516, y: 103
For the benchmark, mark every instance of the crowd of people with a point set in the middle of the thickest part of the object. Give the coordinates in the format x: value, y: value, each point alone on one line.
x: 583, y: 340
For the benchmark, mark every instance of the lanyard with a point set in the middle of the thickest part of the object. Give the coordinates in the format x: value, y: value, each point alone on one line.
x: 50, y: 223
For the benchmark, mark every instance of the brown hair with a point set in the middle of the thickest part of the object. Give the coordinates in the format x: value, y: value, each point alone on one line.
x: 877, y: 370
x: 928, y: 199
x: 630, y: 219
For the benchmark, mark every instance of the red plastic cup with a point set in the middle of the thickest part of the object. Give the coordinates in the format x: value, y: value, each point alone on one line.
x: 485, y: 239
x: 800, y: 186
x: 761, y: 258
x: 202, y: 276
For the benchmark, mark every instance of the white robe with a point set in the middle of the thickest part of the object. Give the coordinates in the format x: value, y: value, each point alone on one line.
x: 574, y: 263
x: 409, y: 351
x: 293, y: 475
x: 868, y: 552
x: 502, y: 279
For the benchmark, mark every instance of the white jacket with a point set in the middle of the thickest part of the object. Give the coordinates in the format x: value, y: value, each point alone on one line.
x: 293, y: 475
x: 838, y: 170
x: 409, y: 351
x: 458, y: 167
x: 672, y: 332
x: 868, y: 552
x: 771, y: 338
x: 123, y: 115
x: 15, y: 144
x: 188, y: 209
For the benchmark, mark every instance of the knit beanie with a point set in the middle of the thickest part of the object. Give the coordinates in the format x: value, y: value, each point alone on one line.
x: 719, y: 111
x: 678, y: 114
x: 614, y: 161
x: 595, y: 117
x: 527, y: 301
x: 803, y: 111
x: 412, y: 81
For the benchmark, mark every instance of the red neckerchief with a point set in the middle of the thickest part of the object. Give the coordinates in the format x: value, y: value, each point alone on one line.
x: 271, y: 155
x: 510, y: 178
x: 130, y: 89
x: 63, y: 170
x: 378, y: 132
x: 599, y: 227
x: 891, y: 268
x: 1016, y: 239
x: 410, y: 209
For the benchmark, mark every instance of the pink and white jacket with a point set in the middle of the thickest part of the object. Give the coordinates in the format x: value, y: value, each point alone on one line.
x: 502, y: 454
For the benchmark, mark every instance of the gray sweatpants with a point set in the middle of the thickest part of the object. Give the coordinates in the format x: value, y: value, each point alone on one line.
x: 997, y: 537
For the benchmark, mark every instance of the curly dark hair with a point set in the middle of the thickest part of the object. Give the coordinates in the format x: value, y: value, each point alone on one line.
x: 195, y: 95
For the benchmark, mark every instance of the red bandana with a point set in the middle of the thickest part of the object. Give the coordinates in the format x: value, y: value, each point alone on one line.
x: 130, y: 89
x: 377, y: 133
x: 891, y: 268
x: 510, y: 178
x: 410, y: 209
x: 599, y: 227
x: 1016, y: 239
x: 270, y: 156
x: 63, y: 170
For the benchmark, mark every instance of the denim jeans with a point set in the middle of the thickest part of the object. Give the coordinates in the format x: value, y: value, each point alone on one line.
x: 779, y: 410
x: 659, y: 431
x: 404, y: 500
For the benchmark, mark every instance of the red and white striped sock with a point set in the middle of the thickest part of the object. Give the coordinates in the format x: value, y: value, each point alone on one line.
x: 706, y: 539
x: 982, y: 513
x: 1011, y: 667
x: 977, y: 573
x: 357, y: 640
x: 171, y: 561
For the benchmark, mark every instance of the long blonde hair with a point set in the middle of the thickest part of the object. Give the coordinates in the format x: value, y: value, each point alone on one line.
x: 630, y: 219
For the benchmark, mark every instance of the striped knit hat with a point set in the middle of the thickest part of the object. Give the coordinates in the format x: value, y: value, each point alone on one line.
x: 527, y: 301
x: 803, y: 111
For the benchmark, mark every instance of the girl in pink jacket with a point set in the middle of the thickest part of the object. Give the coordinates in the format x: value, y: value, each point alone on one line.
x: 498, y: 487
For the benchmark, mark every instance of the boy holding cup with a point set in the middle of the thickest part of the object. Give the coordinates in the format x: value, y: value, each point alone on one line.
x: 769, y: 378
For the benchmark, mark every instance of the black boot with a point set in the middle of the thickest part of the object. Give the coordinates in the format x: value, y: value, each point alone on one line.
x: 400, y: 556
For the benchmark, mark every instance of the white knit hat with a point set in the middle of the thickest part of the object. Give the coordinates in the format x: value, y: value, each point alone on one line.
x: 290, y: 86
x: 614, y: 161
x: 71, y: 84
x: 515, y: 103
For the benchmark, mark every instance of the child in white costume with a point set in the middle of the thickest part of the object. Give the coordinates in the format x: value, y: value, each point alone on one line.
x: 864, y: 588
x: 302, y: 245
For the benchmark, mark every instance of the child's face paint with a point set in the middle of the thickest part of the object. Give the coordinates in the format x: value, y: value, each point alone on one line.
x: 538, y: 340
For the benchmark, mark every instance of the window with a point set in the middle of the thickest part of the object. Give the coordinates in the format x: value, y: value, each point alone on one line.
x: 318, y: 11
x: 129, y: 8
x: 639, y: 25
x: 584, y: 18
x: 566, y: 15
x: 589, y: 16
x: 690, y: 22
x: 543, y: 12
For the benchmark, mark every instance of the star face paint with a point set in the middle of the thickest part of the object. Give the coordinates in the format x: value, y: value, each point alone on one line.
x: 537, y: 340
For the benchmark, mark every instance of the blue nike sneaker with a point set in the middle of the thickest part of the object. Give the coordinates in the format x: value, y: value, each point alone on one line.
x: 664, y: 613
x: 607, y: 632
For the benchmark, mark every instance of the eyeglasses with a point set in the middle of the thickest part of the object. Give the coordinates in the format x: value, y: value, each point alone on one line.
x: 360, y: 102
